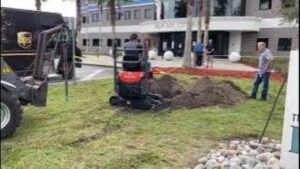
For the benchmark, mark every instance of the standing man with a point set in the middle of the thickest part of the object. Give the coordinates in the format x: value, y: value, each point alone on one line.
x: 209, y: 53
x: 198, y: 52
x: 263, y: 72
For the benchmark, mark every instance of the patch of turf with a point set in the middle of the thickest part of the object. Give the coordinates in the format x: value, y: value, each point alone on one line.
x: 123, y: 140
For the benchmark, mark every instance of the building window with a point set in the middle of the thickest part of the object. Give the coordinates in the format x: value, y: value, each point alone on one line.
x: 109, y: 43
x: 84, y: 42
x: 179, y: 9
x: 137, y: 14
x: 148, y: 14
x: 127, y: 15
x: 238, y: 7
x: 118, y: 15
x: 284, y: 44
x: 96, y: 42
x: 95, y: 17
x: 84, y: 19
x: 266, y: 40
x: 118, y: 42
x: 228, y: 8
x: 265, y: 4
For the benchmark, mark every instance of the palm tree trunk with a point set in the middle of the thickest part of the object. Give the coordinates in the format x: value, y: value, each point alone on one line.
x: 100, y: 32
x: 113, y: 19
x: 199, y: 33
x: 112, y: 5
x: 188, y: 36
x: 78, y: 17
x: 206, y: 23
x: 38, y: 4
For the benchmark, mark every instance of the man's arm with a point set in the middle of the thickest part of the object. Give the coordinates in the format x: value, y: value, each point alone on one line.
x: 212, y: 50
x: 268, y: 63
x: 270, y: 60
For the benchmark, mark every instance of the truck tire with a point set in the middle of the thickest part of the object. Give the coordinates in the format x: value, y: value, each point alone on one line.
x: 11, y: 114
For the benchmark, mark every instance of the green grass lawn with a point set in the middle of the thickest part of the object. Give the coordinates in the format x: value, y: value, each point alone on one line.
x: 87, y: 133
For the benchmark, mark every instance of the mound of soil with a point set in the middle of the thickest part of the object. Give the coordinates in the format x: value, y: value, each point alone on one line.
x: 167, y: 86
x: 203, y: 92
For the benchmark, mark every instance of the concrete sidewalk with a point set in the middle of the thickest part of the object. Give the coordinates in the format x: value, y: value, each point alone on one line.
x: 107, y: 61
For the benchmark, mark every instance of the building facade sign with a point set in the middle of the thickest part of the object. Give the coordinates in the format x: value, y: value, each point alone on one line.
x: 217, y: 23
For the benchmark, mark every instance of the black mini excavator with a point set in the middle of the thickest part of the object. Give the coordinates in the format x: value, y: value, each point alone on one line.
x: 131, y: 84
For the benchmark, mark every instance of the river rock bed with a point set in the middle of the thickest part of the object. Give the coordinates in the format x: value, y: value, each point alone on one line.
x: 239, y: 154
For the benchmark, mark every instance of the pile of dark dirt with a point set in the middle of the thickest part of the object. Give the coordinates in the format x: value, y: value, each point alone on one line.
x: 201, y: 93
x: 167, y: 86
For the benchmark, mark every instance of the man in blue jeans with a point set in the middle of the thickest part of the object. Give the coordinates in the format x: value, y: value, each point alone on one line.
x: 263, y: 72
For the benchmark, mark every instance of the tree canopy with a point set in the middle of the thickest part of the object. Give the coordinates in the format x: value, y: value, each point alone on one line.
x: 290, y: 10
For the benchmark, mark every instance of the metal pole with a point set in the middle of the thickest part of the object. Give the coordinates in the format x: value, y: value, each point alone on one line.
x: 87, y: 27
x: 73, y: 49
x: 114, y: 47
x: 66, y: 71
x: 273, y: 108
x: 100, y: 32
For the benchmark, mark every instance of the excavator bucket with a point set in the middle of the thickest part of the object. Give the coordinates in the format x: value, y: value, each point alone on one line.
x: 39, y: 94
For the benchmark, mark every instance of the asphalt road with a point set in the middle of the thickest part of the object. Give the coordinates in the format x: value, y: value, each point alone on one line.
x: 86, y: 73
x: 93, y: 72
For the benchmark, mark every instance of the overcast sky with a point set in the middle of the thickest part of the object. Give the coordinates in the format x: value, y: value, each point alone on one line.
x: 66, y: 8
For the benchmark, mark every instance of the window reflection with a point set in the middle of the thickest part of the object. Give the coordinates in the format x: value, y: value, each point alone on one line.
x: 177, y: 8
x: 229, y: 8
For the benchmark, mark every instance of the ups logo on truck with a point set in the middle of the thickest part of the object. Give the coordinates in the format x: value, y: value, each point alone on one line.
x: 24, y: 39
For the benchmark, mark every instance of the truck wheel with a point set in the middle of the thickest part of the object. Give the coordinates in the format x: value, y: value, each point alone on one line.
x: 11, y: 114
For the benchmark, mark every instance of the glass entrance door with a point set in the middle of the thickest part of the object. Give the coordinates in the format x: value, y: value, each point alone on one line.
x: 221, y: 42
x: 174, y: 41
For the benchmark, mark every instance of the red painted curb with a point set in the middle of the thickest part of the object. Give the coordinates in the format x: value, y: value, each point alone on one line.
x: 214, y: 72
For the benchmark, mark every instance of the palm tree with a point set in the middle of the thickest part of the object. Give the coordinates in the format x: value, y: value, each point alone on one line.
x: 290, y: 10
x: 38, y: 4
x: 112, y: 10
x: 206, y: 23
x: 78, y: 17
x: 111, y: 4
x: 199, y: 33
x: 188, y: 36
